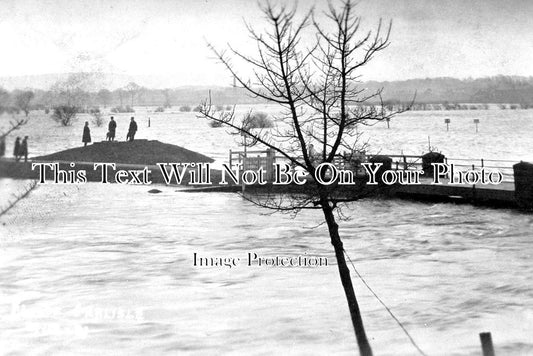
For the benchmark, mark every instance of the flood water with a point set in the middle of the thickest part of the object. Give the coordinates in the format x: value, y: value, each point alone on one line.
x: 502, y: 134
x: 106, y: 269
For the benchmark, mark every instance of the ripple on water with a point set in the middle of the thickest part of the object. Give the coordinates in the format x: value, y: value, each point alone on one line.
x: 447, y: 271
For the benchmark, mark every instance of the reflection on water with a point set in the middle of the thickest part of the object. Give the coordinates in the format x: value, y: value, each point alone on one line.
x: 108, y: 269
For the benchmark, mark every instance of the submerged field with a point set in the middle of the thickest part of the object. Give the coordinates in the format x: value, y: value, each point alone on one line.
x: 94, y: 268
x: 503, y: 134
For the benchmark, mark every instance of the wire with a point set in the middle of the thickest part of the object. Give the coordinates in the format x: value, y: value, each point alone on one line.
x: 385, y: 306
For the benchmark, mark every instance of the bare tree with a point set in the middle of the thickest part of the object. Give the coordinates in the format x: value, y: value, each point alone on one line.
x: 133, y: 89
x: 13, y: 125
x: 64, y: 114
x: 4, y: 99
x: 322, y: 103
x: 97, y: 117
x: 23, y: 100
x: 120, y: 93
x: 74, y: 90
x: 18, y: 197
x: 167, y: 103
x: 104, y: 97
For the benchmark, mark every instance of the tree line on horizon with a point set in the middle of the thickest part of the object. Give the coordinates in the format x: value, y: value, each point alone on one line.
x: 451, y: 92
x: 76, y: 93
x: 510, y: 92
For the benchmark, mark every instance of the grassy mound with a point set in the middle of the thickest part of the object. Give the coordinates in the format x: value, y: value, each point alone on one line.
x: 137, y: 152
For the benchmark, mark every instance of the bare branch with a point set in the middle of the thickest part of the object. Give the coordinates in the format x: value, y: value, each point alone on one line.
x: 18, y: 197
x: 14, y: 125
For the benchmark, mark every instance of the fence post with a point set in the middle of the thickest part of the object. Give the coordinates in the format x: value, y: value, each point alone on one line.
x: 486, y: 344
x: 244, y: 166
x: 523, y: 183
x: 270, y: 164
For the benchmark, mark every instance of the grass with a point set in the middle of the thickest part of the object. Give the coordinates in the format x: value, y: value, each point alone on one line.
x: 137, y: 152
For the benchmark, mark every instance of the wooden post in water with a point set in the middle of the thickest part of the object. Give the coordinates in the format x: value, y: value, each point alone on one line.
x: 486, y: 344
x: 476, y: 121
x: 447, y: 122
x: 270, y: 157
x: 243, y: 164
x: 148, y: 122
x: 244, y: 161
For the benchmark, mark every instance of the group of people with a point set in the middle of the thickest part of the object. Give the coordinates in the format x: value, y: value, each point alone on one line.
x: 112, y: 128
x: 21, y: 149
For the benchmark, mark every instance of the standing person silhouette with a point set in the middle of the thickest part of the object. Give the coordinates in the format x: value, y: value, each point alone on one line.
x: 16, y: 150
x: 86, y: 134
x: 24, y: 149
x: 132, y: 130
x: 112, y: 129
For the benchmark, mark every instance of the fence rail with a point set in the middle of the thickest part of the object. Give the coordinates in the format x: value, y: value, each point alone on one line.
x: 266, y: 158
x: 504, y: 166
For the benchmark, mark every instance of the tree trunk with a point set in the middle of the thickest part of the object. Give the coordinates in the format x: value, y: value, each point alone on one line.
x: 357, y: 321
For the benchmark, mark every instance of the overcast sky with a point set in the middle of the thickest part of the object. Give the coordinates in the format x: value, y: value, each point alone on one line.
x: 431, y: 38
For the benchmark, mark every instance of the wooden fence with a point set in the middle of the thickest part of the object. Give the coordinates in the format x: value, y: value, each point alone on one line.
x: 265, y: 159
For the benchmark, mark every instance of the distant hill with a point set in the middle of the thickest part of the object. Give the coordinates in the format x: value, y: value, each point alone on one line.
x: 499, y: 89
